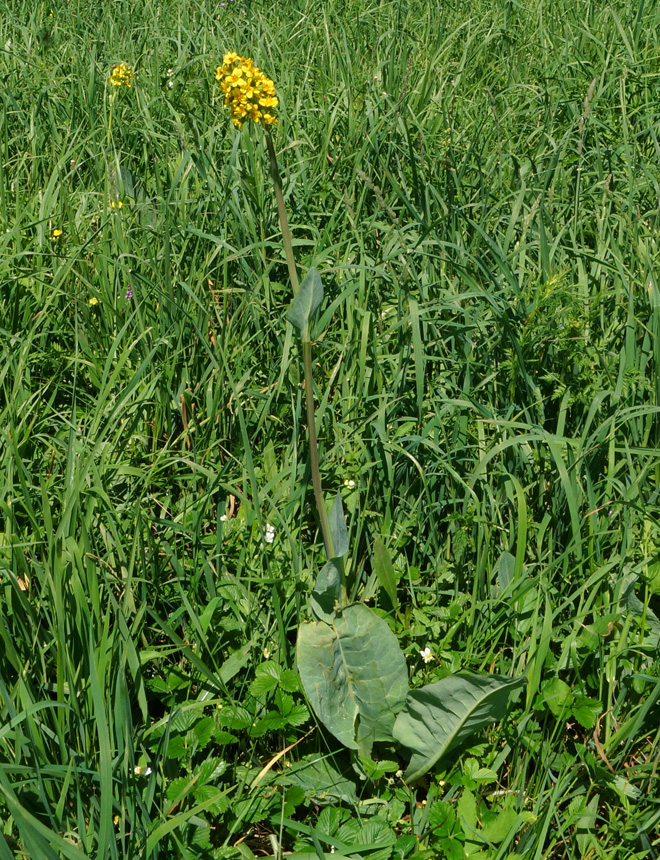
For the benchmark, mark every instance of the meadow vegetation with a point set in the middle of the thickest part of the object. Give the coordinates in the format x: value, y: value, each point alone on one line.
x: 478, y: 183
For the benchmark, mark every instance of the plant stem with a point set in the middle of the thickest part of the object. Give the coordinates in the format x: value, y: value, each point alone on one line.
x: 313, y: 446
x: 307, y: 355
x: 109, y: 135
x: 281, y: 211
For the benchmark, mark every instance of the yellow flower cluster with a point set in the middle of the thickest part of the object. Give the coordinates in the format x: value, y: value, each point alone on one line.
x: 121, y: 75
x: 248, y: 92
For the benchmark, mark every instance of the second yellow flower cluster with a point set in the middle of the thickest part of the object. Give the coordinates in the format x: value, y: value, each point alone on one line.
x: 248, y: 92
x: 121, y: 75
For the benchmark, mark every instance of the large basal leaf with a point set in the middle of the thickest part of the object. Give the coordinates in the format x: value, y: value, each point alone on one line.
x: 440, y: 716
x: 307, y: 299
x: 354, y: 675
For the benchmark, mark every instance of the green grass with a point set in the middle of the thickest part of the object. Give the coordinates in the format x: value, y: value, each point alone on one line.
x: 479, y: 185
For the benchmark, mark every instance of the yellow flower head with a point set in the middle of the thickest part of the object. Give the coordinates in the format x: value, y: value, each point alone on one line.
x: 93, y: 301
x: 247, y: 91
x: 121, y: 75
x: 56, y: 234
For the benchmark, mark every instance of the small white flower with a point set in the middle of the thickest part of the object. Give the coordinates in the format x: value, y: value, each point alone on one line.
x: 269, y: 537
x: 266, y: 653
x: 426, y: 655
x: 170, y: 84
x: 170, y: 72
x: 332, y: 849
x: 223, y: 518
x: 349, y: 483
x: 141, y: 771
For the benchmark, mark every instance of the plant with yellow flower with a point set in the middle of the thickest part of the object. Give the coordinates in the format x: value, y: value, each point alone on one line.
x: 248, y: 93
x: 372, y: 657
x: 121, y: 75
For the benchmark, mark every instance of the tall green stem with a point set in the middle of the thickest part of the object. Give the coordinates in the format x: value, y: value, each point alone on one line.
x: 314, y: 448
x: 281, y: 211
x: 112, y: 103
x: 307, y: 355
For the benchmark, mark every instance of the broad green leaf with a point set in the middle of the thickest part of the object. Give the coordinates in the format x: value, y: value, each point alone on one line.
x: 441, y: 818
x: 385, y: 572
x: 354, y: 675
x: 586, y: 711
x: 178, y: 788
x: 262, y: 685
x: 585, y: 830
x: 128, y: 184
x: 557, y: 697
x: 506, y: 566
x: 289, y: 681
x: 453, y: 847
x: 306, y: 302
x: 207, y: 793
x: 210, y: 770
x: 497, y: 829
x: 317, y: 776
x: 376, y: 770
x: 234, y: 717
x: 625, y: 789
x: 236, y: 662
x: 269, y: 668
x: 203, y: 731
x: 326, y: 596
x: 651, y: 621
x: 467, y: 815
x: 653, y: 580
x: 440, y: 716
x: 222, y: 737
x: 176, y: 748
x: 185, y: 719
x: 338, y: 527
x: 297, y: 716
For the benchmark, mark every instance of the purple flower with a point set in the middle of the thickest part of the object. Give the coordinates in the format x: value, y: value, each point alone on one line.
x: 129, y: 293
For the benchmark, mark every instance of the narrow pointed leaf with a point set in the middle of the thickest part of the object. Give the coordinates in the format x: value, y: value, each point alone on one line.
x: 306, y: 302
x: 338, y: 527
x: 385, y: 572
x: 354, y: 675
x: 440, y: 716
x: 326, y: 596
